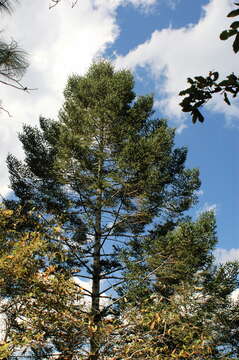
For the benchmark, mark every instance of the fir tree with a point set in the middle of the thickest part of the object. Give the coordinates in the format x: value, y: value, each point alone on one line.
x: 107, y: 172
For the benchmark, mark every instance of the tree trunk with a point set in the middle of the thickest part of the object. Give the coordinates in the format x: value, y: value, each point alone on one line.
x: 95, y: 305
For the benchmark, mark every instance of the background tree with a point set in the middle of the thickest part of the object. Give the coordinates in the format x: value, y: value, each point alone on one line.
x: 106, y: 171
x: 176, y: 303
x: 202, y: 89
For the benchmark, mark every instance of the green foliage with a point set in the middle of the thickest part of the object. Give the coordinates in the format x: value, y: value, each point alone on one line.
x: 182, y: 309
x: 233, y: 30
x: 202, y: 89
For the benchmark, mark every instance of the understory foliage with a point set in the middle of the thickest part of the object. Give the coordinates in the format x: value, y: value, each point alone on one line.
x: 32, y: 294
x: 109, y: 266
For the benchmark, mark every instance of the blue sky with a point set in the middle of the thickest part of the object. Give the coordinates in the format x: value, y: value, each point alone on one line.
x: 162, y: 42
x: 137, y: 26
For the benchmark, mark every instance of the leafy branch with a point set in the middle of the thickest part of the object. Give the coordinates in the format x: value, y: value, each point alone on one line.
x: 233, y: 31
x: 202, y: 88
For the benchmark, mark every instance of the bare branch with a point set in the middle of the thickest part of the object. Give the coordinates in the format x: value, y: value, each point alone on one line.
x: 18, y: 87
x: 53, y: 3
x: 3, y: 109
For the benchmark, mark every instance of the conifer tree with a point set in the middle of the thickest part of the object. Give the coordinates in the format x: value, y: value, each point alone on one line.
x: 107, y: 172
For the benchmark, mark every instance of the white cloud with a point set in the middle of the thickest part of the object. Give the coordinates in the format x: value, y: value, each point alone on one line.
x: 172, y: 55
x: 199, y: 192
x: 60, y: 41
x: 173, y: 3
x: 224, y: 255
x: 2, y: 326
x: 180, y: 128
x: 207, y: 207
x: 235, y: 296
x: 4, y: 191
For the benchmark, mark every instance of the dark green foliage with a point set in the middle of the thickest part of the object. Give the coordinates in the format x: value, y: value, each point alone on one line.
x: 202, y: 88
x: 233, y: 13
x: 233, y: 30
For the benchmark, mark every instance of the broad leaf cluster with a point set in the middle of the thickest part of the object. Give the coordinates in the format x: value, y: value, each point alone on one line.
x: 202, y: 89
